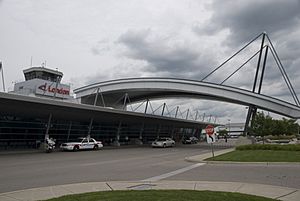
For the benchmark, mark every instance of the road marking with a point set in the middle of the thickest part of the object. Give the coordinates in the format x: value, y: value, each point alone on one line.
x: 170, y: 174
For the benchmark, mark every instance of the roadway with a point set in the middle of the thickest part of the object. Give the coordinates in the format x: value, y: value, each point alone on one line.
x: 30, y: 170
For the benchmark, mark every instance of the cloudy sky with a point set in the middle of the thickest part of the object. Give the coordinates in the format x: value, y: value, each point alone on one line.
x: 97, y: 40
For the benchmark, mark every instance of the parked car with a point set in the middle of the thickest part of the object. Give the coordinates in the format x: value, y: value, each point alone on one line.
x: 194, y: 140
x: 189, y: 140
x: 163, y: 142
x: 82, y: 144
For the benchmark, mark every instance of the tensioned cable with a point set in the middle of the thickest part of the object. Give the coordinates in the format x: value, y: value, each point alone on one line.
x: 171, y: 111
x: 285, y: 74
x: 115, y: 103
x: 157, y: 108
x: 151, y: 106
x: 241, y: 66
x: 180, y: 113
x: 139, y: 105
x: 167, y: 109
x: 232, y: 56
x: 87, y: 95
x: 273, y: 54
x: 129, y: 102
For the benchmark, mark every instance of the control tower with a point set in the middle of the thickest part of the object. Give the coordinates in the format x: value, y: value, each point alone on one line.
x: 43, y: 82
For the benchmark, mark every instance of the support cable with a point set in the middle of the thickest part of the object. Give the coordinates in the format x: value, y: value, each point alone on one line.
x: 232, y: 56
x: 169, y: 112
x: 180, y: 113
x: 282, y: 73
x: 241, y: 66
x: 196, y: 116
x: 119, y: 100
x: 288, y: 80
x: 139, y: 105
x: 129, y: 102
x: 86, y: 97
x: 151, y: 107
x: 167, y: 109
x: 157, y: 109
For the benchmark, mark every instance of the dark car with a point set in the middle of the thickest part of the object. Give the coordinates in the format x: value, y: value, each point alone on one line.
x: 189, y: 140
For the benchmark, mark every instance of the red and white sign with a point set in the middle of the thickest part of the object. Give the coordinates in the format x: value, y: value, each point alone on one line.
x: 50, y: 89
x: 47, y: 88
x: 209, y: 130
x: 210, y: 134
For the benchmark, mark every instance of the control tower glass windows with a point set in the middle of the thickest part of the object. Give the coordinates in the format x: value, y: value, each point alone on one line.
x: 42, y: 75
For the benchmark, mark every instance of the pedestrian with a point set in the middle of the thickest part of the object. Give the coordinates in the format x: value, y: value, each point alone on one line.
x: 225, y: 138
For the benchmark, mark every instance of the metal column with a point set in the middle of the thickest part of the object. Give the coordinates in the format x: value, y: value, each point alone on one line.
x: 163, y: 109
x: 90, y: 128
x: 146, y: 107
x: 69, y: 131
x: 176, y: 111
x: 252, y: 109
x: 117, y: 143
x: 3, y: 83
x: 48, y: 126
x: 96, y: 97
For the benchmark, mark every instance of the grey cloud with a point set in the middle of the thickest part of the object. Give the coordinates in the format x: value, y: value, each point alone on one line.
x: 100, y: 46
x: 122, y: 70
x: 166, y: 55
x: 244, y: 19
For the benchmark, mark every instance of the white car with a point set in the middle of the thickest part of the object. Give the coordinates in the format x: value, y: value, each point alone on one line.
x: 163, y: 142
x: 82, y: 144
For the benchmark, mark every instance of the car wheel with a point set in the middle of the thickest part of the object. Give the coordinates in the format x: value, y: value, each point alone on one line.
x: 96, y: 147
x: 164, y: 146
x: 75, y: 148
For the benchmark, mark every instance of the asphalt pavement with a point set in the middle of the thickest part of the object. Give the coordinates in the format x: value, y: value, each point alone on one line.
x: 36, y: 176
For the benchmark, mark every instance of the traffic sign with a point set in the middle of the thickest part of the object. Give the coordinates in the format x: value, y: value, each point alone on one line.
x: 210, y: 134
x: 209, y: 130
x: 210, y: 137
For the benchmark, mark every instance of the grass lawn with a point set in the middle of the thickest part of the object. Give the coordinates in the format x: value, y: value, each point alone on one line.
x: 163, y: 195
x: 259, y: 156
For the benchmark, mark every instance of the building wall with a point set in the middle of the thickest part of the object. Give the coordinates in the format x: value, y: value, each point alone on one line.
x: 23, y: 132
x: 38, y: 87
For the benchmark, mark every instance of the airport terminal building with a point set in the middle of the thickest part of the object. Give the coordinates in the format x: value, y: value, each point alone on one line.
x: 42, y: 105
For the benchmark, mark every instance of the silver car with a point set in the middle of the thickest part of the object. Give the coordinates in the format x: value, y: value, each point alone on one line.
x: 163, y: 142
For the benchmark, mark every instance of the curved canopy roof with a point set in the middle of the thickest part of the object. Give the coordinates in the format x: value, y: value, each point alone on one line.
x: 149, y: 88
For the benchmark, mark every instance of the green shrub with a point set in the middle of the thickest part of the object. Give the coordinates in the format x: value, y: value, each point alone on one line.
x: 280, y: 137
x: 275, y: 147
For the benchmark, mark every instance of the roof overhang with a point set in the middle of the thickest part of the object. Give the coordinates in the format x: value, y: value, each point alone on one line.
x: 41, y: 108
x: 152, y: 88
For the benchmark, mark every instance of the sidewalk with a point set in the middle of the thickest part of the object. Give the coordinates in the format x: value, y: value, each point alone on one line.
x: 200, y: 158
x: 275, y: 192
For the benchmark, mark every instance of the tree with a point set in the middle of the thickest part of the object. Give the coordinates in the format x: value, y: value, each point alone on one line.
x: 223, y: 132
x: 262, y: 125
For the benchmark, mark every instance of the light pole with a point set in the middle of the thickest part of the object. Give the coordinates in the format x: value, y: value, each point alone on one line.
x: 246, y: 124
x: 2, y: 76
x: 228, y: 126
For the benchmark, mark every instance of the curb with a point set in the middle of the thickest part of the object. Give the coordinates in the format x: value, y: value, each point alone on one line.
x: 275, y: 192
x: 201, y: 159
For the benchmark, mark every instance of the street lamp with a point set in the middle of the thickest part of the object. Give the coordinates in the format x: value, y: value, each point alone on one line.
x: 228, y: 126
x: 1, y: 69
